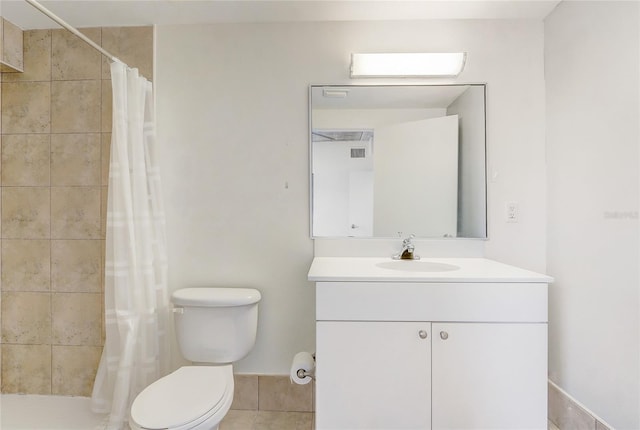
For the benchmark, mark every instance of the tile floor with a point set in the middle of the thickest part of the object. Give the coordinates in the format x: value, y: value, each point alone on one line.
x: 55, y: 413
x: 267, y: 420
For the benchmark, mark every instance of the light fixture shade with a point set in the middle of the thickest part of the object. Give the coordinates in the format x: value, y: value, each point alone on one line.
x: 407, y: 64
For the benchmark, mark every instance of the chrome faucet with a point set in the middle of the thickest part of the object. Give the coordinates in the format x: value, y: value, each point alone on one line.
x: 407, y: 250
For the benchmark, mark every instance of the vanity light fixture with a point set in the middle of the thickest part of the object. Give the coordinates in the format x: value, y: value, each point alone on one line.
x: 407, y: 64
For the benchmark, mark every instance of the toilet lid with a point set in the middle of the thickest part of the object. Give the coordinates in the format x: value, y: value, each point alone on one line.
x: 181, y: 397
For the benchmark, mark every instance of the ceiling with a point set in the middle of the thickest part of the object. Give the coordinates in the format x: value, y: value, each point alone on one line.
x: 95, y: 13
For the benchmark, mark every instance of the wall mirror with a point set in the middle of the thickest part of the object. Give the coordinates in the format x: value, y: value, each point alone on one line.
x: 404, y: 159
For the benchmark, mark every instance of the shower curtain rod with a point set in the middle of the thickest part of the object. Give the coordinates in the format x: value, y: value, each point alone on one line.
x: 73, y: 30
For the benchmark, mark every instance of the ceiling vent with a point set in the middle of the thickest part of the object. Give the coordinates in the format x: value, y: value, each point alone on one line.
x: 358, y: 153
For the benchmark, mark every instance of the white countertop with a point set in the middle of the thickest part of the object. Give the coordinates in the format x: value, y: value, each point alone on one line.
x: 366, y: 269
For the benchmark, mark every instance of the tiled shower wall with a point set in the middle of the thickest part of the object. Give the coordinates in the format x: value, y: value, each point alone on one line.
x: 55, y: 134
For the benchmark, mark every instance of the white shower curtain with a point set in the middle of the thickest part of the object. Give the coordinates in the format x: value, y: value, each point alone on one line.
x: 136, y: 350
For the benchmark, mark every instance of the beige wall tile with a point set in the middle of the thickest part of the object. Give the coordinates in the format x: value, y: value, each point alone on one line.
x: 75, y: 213
x: 12, y: 53
x: 26, y: 369
x: 26, y: 318
x: 37, y: 58
x: 1, y: 37
x: 566, y: 414
x: 25, y: 212
x: 25, y: 159
x: 277, y: 393
x: 72, y: 58
x: 107, y: 107
x: 105, y: 156
x: 70, y: 105
x: 104, y: 194
x: 74, y: 369
x: 76, y: 319
x: 26, y: 265
x: 75, y: 106
x: 26, y: 107
x: 245, y: 395
x: 132, y: 45
x: 8, y: 69
x: 75, y: 159
x: 76, y: 266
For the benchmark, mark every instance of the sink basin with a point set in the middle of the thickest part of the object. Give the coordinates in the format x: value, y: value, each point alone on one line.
x: 417, y: 266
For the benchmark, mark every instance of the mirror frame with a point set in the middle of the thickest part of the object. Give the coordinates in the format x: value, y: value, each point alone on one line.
x: 348, y: 85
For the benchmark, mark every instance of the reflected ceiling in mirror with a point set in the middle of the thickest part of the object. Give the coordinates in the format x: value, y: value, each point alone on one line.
x: 397, y: 160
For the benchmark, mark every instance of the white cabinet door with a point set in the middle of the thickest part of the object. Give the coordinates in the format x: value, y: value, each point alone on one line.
x: 489, y: 376
x: 373, y: 375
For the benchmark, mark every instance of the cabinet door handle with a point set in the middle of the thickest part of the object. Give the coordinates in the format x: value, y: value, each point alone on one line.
x: 444, y: 335
x: 422, y: 334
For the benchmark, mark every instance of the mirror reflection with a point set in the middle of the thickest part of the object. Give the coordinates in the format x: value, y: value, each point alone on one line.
x: 398, y: 160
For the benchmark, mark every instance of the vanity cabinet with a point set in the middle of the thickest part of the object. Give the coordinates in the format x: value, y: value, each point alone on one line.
x: 463, y: 352
x: 385, y: 375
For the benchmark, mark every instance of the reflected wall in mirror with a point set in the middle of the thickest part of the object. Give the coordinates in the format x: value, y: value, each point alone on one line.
x: 398, y: 160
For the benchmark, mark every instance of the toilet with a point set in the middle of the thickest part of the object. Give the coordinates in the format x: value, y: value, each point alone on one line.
x: 214, y: 328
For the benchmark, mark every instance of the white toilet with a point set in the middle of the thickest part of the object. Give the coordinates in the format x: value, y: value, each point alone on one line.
x: 214, y: 326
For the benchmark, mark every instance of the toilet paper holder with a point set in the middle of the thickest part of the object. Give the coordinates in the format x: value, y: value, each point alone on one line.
x: 304, y: 374
x: 305, y: 371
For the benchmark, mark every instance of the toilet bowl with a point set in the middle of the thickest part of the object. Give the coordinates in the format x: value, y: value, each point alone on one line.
x: 191, y: 398
x: 214, y: 326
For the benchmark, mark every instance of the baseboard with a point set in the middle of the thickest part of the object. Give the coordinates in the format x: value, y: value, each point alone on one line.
x: 567, y: 413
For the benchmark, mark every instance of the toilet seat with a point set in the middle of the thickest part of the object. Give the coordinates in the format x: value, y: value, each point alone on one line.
x: 184, y: 399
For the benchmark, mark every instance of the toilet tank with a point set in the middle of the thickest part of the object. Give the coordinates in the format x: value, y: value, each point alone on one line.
x: 215, y: 325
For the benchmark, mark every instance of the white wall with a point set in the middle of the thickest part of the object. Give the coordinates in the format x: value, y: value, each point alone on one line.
x: 592, y: 74
x: 232, y: 110
x: 508, y: 56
